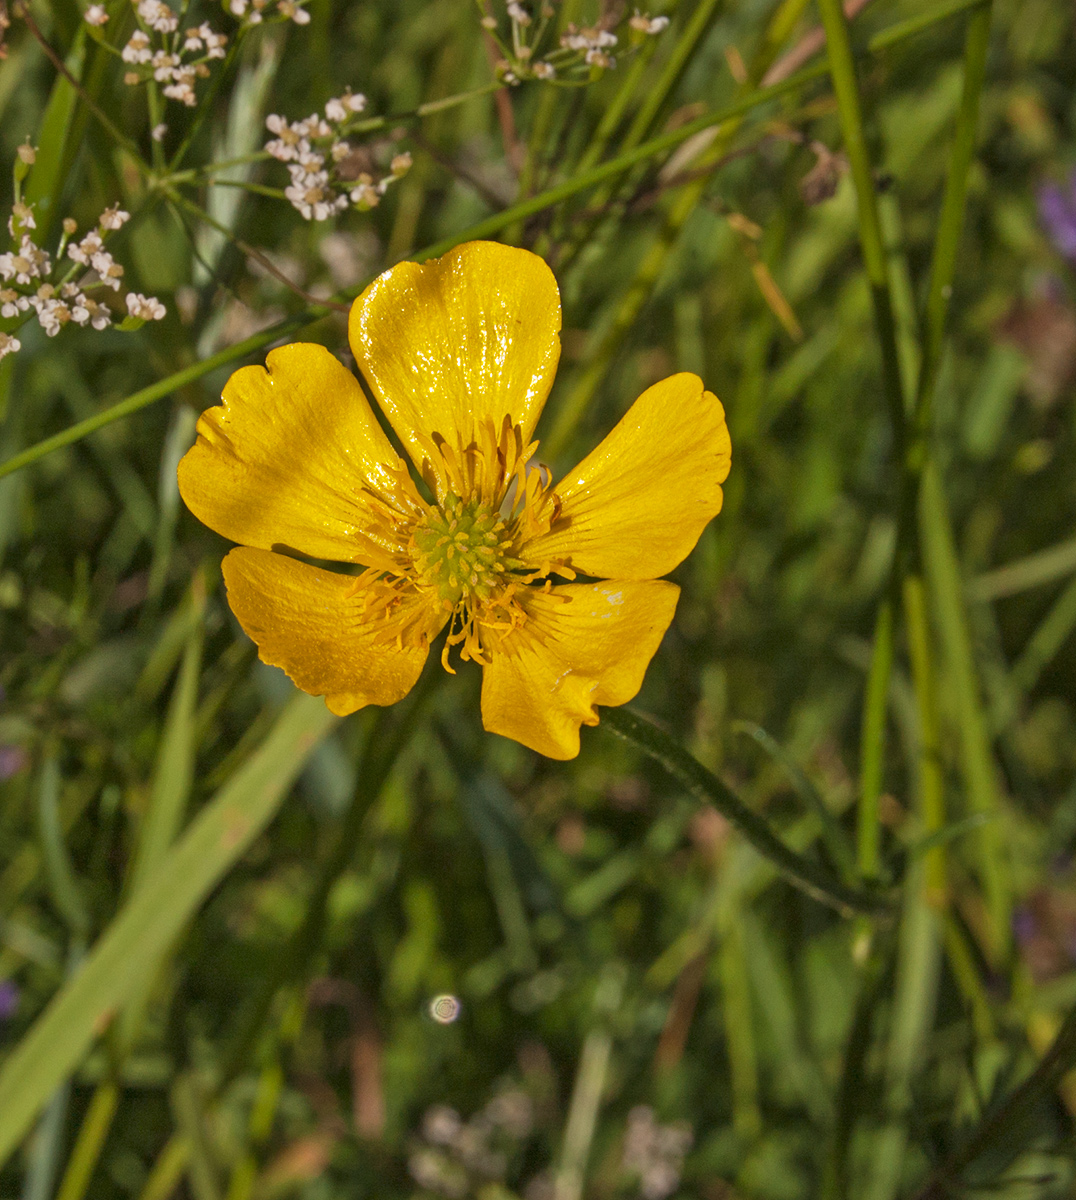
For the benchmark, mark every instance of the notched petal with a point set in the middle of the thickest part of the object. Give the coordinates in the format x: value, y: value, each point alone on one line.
x: 635, y: 507
x: 352, y: 640
x: 582, y: 645
x: 449, y: 345
x: 295, y: 457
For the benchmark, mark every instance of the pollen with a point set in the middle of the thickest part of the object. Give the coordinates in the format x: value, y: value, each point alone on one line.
x: 461, y: 552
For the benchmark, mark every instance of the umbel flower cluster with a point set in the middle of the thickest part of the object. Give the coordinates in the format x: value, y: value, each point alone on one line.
x: 479, y: 543
x: 175, y: 57
x: 529, y: 52
x: 61, y: 292
x: 327, y: 172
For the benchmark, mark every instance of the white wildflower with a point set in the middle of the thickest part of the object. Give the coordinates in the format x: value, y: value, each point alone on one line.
x: 214, y: 42
x: 162, y: 63
x: 310, y: 160
x: 288, y: 8
x: 114, y: 218
x: 99, y: 314
x: 651, y: 25
x: 158, y: 132
x: 31, y: 262
x: 137, y: 49
x: 588, y: 39
x: 9, y: 344
x: 52, y: 313
x: 157, y: 15
x: 182, y: 89
x: 544, y: 70
x: 95, y: 15
x: 364, y: 194
x: 107, y: 268
x: 518, y: 13
x: 80, y: 252
x: 149, y: 308
x: 288, y: 143
x: 313, y: 127
x: 311, y: 195
x: 21, y: 219
x: 341, y: 107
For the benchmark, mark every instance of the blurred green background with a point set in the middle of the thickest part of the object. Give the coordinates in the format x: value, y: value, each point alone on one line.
x: 639, y: 1005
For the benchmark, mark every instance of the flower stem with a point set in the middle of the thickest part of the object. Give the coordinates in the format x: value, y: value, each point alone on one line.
x: 809, y: 877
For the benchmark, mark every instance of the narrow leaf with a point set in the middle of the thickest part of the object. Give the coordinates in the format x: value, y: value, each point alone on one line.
x: 131, y: 946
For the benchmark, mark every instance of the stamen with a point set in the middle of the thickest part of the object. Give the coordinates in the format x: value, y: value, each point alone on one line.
x: 467, y: 551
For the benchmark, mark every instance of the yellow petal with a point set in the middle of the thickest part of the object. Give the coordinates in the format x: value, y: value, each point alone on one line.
x: 582, y: 645
x: 635, y: 506
x: 318, y: 626
x: 282, y: 461
x: 453, y: 342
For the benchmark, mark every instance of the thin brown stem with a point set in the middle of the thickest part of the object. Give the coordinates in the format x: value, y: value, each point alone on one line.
x: 807, y: 47
x: 254, y: 255
x: 22, y: 11
x: 459, y: 172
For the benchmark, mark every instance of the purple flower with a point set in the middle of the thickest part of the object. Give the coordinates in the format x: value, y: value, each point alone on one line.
x: 1057, y: 210
x: 1024, y: 925
x: 12, y: 761
x: 9, y: 999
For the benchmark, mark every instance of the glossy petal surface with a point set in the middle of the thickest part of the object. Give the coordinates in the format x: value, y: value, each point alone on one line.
x: 582, y: 645
x: 313, y: 624
x: 635, y: 506
x: 281, y: 462
x: 463, y: 338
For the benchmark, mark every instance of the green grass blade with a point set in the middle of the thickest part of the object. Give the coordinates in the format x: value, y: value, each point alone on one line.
x: 951, y: 222
x: 89, y: 1143
x: 46, y: 180
x: 816, y: 881
x: 872, y: 743
x: 832, y: 831
x: 1043, y: 567
x: 914, y: 1000
x: 976, y: 752
x: 174, y: 769
x: 63, y: 886
x: 997, y: 1136
x: 1046, y: 641
x: 845, y: 85
x: 129, y: 949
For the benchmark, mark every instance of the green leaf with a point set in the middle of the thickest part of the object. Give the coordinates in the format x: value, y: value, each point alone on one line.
x: 48, y: 176
x: 131, y: 946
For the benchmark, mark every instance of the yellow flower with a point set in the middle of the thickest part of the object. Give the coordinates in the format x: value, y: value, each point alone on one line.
x: 460, y: 354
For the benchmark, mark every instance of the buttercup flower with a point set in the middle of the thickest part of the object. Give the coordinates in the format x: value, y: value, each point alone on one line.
x: 460, y: 354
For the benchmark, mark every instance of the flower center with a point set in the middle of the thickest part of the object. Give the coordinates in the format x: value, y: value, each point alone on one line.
x: 460, y: 552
